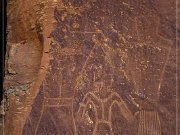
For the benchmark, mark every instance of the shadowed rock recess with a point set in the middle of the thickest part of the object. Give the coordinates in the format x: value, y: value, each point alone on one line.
x: 91, y: 67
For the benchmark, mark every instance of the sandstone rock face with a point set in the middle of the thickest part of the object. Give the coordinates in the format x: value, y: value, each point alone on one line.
x: 94, y: 67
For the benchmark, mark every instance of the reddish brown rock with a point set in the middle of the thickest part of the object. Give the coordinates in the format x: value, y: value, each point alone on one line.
x: 108, y: 67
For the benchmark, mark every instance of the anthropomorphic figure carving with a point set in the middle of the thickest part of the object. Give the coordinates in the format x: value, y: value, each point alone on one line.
x: 101, y: 100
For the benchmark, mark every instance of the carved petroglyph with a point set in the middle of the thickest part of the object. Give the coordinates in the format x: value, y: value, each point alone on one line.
x: 55, y: 102
x: 149, y: 123
x: 109, y: 52
x: 103, y: 107
x: 100, y: 104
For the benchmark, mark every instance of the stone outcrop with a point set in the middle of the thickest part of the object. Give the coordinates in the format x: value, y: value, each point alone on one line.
x: 93, y: 67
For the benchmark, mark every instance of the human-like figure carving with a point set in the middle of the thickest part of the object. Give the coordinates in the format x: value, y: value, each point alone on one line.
x: 102, y: 99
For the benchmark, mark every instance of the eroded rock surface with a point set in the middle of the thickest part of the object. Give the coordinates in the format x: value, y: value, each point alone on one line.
x: 107, y: 68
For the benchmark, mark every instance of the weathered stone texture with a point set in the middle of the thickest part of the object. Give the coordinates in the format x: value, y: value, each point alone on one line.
x: 108, y: 67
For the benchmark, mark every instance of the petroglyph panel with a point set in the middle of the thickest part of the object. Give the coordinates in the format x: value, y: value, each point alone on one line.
x: 106, y: 74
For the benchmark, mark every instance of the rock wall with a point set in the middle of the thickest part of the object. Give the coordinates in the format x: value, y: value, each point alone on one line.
x: 91, y: 67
